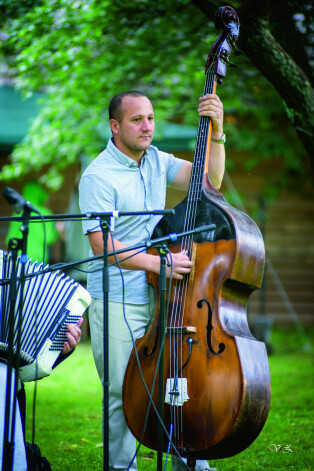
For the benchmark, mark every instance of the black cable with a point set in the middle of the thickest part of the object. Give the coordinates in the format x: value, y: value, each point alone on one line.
x: 149, y: 394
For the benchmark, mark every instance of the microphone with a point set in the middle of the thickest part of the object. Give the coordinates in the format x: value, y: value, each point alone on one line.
x: 173, y: 236
x: 17, y: 201
x: 207, y: 228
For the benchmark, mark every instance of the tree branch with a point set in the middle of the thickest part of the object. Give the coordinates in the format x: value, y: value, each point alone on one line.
x: 290, y: 81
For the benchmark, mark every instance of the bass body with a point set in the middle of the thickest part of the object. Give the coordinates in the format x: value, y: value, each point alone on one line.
x: 226, y: 368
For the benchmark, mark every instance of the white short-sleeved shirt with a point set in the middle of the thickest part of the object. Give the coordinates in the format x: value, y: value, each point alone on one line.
x: 113, y: 182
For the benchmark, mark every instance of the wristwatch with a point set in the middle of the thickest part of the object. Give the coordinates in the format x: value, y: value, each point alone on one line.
x: 221, y: 140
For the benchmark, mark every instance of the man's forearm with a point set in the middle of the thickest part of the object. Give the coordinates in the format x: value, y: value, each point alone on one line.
x: 135, y: 261
x: 216, y: 164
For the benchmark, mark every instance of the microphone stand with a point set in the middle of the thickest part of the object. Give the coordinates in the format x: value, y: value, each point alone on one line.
x: 162, y: 250
x: 105, y: 226
x: 14, y: 360
x: 105, y: 231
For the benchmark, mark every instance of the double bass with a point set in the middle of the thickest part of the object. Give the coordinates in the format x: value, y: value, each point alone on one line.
x: 215, y: 373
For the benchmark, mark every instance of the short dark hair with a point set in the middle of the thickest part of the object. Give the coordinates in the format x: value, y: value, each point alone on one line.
x: 115, y: 105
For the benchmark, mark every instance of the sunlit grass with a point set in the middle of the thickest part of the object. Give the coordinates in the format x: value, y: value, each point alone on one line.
x: 68, y: 414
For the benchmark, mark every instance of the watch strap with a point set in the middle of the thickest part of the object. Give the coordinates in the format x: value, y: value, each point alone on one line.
x: 221, y: 140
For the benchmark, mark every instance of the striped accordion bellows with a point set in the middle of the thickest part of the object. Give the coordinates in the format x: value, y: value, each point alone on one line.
x: 50, y: 301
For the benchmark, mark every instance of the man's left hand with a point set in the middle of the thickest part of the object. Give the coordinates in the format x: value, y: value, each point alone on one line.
x: 74, y: 336
x: 210, y: 105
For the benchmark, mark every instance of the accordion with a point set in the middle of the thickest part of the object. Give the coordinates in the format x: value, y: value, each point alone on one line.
x: 50, y: 301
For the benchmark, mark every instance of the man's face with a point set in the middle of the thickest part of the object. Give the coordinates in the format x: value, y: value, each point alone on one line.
x: 135, y: 132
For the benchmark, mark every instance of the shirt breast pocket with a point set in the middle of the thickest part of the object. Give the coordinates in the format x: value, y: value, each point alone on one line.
x: 156, y: 197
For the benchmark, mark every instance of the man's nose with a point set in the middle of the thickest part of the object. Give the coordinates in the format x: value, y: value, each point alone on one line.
x: 146, y: 125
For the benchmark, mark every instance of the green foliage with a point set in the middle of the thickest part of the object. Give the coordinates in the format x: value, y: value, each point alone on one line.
x: 16, y: 8
x: 81, y: 53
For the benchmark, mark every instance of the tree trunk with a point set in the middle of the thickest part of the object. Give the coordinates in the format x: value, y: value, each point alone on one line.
x: 257, y: 42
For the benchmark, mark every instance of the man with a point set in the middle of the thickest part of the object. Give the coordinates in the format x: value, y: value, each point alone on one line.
x: 23, y: 455
x: 23, y: 459
x: 131, y: 175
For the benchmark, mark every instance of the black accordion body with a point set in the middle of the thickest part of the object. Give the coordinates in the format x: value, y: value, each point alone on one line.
x: 50, y: 301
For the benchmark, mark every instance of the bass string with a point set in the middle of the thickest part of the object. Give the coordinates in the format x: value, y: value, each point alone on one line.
x: 194, y: 196
x: 181, y: 286
x: 195, y: 188
x: 198, y: 168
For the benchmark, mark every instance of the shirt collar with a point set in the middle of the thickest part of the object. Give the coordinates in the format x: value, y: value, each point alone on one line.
x: 121, y: 157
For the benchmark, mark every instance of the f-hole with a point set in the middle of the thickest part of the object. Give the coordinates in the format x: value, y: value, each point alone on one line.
x: 146, y: 352
x: 209, y: 328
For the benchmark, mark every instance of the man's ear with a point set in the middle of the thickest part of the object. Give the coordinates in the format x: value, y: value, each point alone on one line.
x: 114, y: 125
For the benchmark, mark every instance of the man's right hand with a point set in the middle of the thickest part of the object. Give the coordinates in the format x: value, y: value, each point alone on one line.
x: 181, y: 265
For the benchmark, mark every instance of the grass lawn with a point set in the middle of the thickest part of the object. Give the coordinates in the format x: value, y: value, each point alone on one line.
x: 68, y: 414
